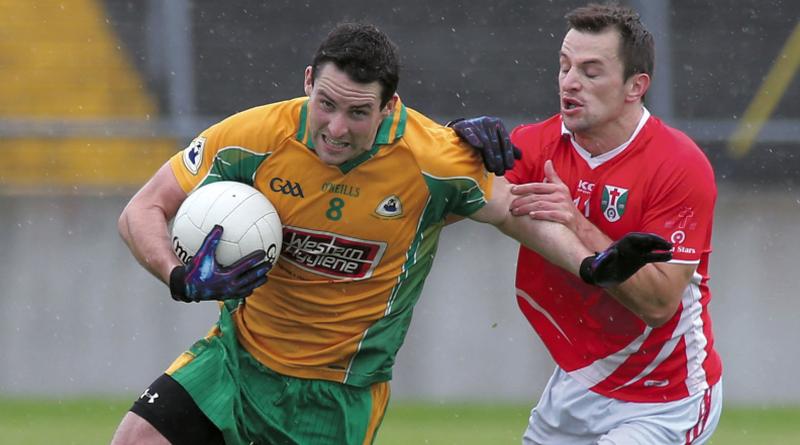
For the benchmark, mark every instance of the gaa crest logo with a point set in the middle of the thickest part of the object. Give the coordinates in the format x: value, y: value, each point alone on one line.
x: 286, y: 187
x: 613, y: 202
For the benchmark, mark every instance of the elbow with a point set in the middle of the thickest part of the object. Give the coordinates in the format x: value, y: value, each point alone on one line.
x: 655, y: 321
x: 660, y: 315
x: 655, y: 304
x: 122, y: 226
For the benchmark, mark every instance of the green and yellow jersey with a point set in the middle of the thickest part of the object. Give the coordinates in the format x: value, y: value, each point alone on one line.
x: 358, y: 239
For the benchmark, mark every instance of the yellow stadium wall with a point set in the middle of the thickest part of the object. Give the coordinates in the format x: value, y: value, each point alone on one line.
x: 62, y: 61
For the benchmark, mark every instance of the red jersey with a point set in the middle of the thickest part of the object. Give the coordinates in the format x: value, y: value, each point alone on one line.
x: 660, y: 182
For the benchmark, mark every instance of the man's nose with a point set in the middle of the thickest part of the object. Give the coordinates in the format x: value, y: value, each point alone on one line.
x: 337, y: 126
x: 570, y: 80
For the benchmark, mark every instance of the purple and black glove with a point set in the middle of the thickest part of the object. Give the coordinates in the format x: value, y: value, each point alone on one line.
x: 623, y: 258
x: 204, y: 279
x: 488, y: 135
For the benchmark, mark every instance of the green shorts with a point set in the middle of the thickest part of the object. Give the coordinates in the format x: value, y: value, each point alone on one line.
x: 250, y: 403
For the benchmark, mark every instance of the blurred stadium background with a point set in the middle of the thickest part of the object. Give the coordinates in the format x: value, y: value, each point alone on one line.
x: 96, y: 94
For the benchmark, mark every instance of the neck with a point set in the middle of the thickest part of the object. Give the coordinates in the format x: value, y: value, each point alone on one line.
x: 612, y: 134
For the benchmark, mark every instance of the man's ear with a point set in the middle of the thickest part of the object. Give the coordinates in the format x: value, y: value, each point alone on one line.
x: 637, y: 86
x: 308, y: 80
x: 388, y: 109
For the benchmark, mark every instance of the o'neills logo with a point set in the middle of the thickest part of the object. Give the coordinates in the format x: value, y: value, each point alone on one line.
x: 331, y: 254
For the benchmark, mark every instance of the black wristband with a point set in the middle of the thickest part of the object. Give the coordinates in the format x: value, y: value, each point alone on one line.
x: 585, y: 270
x: 454, y: 121
x: 177, y: 284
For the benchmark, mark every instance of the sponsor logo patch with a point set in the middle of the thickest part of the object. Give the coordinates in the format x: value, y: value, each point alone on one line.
x: 193, y: 154
x: 585, y: 186
x: 613, y: 202
x: 341, y: 189
x: 330, y: 254
x: 390, y: 207
x: 677, y: 237
x: 151, y: 398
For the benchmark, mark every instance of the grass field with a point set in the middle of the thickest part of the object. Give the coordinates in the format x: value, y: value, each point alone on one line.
x: 89, y: 422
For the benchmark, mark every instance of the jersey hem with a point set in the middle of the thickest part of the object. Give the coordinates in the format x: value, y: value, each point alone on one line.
x: 308, y: 372
x: 660, y: 397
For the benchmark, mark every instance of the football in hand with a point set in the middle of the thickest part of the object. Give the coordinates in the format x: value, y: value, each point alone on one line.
x: 249, y: 222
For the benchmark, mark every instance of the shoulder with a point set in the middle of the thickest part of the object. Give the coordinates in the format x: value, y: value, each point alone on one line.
x: 675, y: 167
x: 419, y: 128
x: 437, y: 149
x: 260, y: 126
x: 452, y: 170
x: 537, y: 142
x: 533, y: 134
x: 675, y: 151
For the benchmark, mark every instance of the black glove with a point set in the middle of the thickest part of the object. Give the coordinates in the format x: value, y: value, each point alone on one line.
x: 623, y: 258
x: 489, y: 136
x: 204, y: 279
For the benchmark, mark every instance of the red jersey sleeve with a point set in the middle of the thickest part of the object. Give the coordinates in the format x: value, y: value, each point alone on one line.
x: 520, y: 137
x: 682, y: 198
x: 534, y: 140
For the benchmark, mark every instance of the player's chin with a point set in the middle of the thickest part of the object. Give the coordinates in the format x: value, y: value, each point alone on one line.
x: 572, y: 122
x: 332, y: 158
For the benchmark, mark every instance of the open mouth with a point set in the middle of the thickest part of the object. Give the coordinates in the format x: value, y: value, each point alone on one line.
x: 335, y: 144
x: 568, y: 103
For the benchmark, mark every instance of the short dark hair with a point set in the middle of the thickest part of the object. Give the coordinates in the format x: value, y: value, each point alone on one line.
x: 637, y: 48
x: 364, y: 52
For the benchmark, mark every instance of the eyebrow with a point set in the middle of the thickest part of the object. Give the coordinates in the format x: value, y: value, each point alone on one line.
x: 595, y: 61
x: 367, y: 105
x: 351, y: 107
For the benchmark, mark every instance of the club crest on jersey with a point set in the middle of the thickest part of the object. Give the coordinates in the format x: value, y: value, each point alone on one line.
x: 193, y: 154
x: 613, y: 202
x: 390, y: 207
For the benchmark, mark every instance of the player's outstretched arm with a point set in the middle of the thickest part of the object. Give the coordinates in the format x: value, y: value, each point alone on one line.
x: 552, y: 240
x: 143, y: 223
x: 615, y: 267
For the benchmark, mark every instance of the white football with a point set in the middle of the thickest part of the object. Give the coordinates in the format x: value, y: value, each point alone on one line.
x: 250, y: 222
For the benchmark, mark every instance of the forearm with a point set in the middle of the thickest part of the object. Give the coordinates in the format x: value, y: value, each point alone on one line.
x: 554, y: 241
x: 143, y: 223
x: 594, y: 239
x: 144, y: 231
x: 654, y: 292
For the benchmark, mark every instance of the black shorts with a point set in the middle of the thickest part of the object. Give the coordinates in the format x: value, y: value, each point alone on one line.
x: 170, y: 410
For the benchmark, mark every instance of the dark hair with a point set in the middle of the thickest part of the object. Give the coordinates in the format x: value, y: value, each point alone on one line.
x: 637, y: 48
x: 363, y: 52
